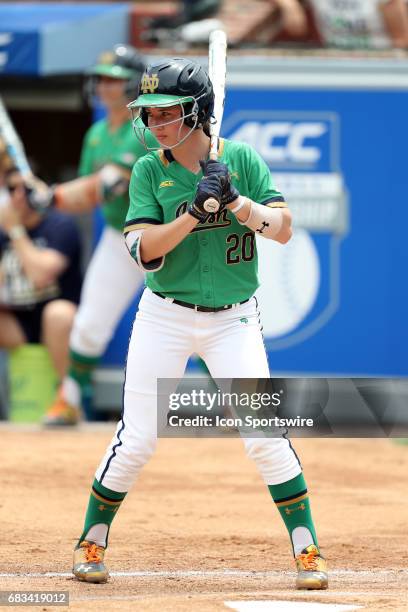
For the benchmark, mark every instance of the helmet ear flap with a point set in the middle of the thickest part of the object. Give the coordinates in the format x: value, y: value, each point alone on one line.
x: 192, y: 109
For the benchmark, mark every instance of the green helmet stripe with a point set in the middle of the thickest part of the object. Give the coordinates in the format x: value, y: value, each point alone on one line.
x: 159, y: 100
x: 112, y: 70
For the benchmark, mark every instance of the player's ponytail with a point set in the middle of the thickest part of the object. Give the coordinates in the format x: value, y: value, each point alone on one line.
x: 206, y: 128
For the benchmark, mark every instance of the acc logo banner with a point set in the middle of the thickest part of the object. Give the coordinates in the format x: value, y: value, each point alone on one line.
x: 300, y: 281
x: 289, y: 145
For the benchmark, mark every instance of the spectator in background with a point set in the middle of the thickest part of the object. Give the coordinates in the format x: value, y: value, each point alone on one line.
x: 362, y: 24
x: 351, y: 24
x: 293, y: 18
x: 189, y: 10
x: 40, y: 278
x: 190, y: 26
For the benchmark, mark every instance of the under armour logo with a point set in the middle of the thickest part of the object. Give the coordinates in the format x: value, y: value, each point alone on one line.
x: 102, y: 508
x: 289, y: 511
x: 261, y: 229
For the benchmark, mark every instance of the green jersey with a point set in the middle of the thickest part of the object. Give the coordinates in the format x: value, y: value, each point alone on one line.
x: 103, y: 146
x: 217, y: 263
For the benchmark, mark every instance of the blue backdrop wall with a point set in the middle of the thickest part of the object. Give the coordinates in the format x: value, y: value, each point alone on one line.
x: 340, y: 158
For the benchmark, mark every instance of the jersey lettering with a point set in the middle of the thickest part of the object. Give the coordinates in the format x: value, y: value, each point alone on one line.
x: 212, y: 221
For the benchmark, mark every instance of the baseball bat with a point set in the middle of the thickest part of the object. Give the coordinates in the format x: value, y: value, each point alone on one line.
x: 14, y: 157
x: 217, y: 71
x: 13, y: 146
x: 74, y: 196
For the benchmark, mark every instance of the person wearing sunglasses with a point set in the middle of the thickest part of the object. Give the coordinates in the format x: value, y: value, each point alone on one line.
x: 40, y: 278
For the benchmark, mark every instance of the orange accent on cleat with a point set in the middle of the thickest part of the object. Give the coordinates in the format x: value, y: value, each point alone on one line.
x: 312, y: 569
x: 88, y: 563
x: 61, y: 413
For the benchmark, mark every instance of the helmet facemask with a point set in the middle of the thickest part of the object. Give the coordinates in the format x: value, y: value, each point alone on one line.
x: 189, y: 116
x: 123, y: 63
x: 130, y: 89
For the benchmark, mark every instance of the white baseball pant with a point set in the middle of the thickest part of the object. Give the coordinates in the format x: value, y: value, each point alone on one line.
x: 111, y: 282
x: 164, y: 335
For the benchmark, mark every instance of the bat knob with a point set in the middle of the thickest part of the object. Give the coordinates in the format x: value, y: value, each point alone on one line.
x: 211, y: 205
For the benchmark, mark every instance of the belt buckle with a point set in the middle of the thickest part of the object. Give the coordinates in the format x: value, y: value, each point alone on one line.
x: 196, y: 308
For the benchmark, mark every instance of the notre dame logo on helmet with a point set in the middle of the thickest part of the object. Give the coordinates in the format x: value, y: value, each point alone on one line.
x: 107, y: 57
x: 149, y: 83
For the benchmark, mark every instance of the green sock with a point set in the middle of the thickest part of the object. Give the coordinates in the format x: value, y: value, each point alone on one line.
x: 81, y: 368
x: 292, y: 501
x: 102, y: 508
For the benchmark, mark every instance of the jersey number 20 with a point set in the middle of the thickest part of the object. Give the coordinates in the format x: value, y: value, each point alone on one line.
x: 241, y: 247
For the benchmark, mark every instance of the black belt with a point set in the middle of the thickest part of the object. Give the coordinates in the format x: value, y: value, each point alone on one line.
x: 198, y: 308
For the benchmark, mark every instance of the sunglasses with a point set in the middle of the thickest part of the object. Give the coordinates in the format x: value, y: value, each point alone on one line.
x: 12, y: 188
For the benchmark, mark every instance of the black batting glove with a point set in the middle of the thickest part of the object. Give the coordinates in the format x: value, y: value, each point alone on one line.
x: 208, y: 187
x: 212, y: 167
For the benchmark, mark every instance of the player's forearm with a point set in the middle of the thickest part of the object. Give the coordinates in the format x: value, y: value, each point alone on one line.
x: 285, y: 233
x: 77, y: 196
x: 159, y: 240
x: 268, y: 222
x: 86, y: 192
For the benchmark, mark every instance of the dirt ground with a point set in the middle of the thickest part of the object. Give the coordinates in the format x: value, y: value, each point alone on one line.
x: 199, y: 528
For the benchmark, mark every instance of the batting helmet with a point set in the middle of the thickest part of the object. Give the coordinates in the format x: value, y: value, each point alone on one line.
x: 177, y: 81
x: 123, y: 62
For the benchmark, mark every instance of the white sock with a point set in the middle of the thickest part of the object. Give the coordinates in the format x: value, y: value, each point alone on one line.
x: 301, y: 538
x: 71, y: 391
x: 97, y: 534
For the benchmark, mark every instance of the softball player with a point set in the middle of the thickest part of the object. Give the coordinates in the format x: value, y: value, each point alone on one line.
x: 201, y: 275
x: 115, y: 79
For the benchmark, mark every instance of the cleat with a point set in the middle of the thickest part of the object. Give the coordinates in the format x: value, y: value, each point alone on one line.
x: 312, y: 569
x: 61, y: 413
x: 88, y: 563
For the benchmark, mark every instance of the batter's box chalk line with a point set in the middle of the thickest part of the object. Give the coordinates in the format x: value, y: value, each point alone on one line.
x: 366, y: 575
x: 286, y: 606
